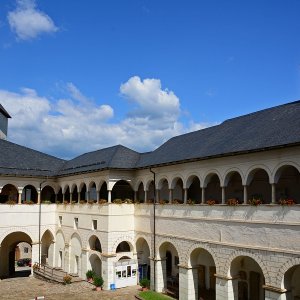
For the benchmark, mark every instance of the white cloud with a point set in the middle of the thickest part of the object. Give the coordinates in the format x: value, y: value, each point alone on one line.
x: 72, y: 126
x: 28, y: 22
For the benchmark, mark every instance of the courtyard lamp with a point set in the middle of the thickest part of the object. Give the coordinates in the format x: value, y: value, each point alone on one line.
x: 154, y: 231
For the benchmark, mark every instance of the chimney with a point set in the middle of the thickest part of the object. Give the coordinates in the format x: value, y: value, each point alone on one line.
x: 4, y: 116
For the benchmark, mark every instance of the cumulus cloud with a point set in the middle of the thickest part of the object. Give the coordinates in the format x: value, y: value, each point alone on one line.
x: 76, y: 124
x: 28, y: 22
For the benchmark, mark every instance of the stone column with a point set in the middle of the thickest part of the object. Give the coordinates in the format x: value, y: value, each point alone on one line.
x: 160, y: 279
x: 63, y: 194
x: 109, y: 196
x: 146, y: 196
x: 108, y: 270
x: 224, y: 287
x: 71, y: 197
x: 273, y: 193
x: 274, y: 293
x: 98, y: 196
x: 185, y: 195
x: 87, y: 196
x: 19, y: 196
x: 135, y: 196
x: 203, y: 195
x: 157, y: 196
x: 56, y: 198
x: 84, y: 262
x: 67, y: 260
x: 78, y: 196
x: 39, y: 197
x: 188, y: 281
x: 245, y: 194
x: 170, y: 195
x: 223, y: 194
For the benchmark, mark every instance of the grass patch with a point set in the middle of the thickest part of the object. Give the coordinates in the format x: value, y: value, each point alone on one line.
x: 150, y: 295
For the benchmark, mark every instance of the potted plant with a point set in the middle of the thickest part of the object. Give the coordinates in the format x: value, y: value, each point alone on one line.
x: 67, y: 279
x: 89, y: 275
x: 98, y: 282
x: 102, y: 201
x: 233, y: 202
x: 191, y: 202
x: 118, y: 201
x: 286, y: 202
x: 145, y: 283
x: 211, y: 202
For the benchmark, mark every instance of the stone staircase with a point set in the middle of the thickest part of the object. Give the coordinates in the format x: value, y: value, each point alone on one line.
x: 51, y: 274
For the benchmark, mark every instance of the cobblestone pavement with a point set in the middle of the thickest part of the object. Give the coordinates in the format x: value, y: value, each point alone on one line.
x: 28, y: 288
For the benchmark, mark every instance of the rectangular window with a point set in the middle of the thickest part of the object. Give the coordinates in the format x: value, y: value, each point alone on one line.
x: 95, y: 224
x: 75, y: 223
x: 60, y: 220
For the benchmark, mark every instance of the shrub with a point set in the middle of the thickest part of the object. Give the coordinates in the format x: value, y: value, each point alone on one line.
x: 102, y: 201
x: 11, y: 202
x: 145, y: 283
x: 90, y: 274
x: 211, y: 202
x: 191, y: 202
x: 286, y: 202
x: 233, y: 202
x: 118, y: 201
x: 67, y: 279
x: 98, y: 281
x: 129, y: 201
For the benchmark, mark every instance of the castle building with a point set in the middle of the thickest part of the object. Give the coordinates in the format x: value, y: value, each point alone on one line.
x: 224, y: 225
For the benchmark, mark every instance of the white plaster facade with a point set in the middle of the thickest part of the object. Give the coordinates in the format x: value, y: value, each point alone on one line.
x: 236, y: 248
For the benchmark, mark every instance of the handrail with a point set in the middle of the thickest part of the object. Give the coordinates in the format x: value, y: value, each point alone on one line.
x: 47, y: 270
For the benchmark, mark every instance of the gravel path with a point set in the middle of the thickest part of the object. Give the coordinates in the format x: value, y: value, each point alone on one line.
x: 29, y: 288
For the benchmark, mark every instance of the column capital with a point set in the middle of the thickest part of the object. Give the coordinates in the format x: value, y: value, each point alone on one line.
x: 274, y: 289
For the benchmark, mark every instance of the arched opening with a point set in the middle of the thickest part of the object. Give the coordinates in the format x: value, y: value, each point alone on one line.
x: 169, y: 268
x: 15, y: 247
x: 213, y: 189
x: 141, y: 193
x: 83, y: 194
x: 29, y: 194
x: 48, y: 194
x: 9, y: 194
x: 178, y: 193
x: 60, y: 196
x: 123, y: 247
x: 95, y: 244
x: 47, y: 248
x: 234, y: 187
x: 292, y: 283
x: 75, y: 193
x: 259, y: 187
x: 150, y: 192
x: 250, y: 279
x: 204, y: 270
x: 288, y: 182
x: 75, y: 254
x: 60, y: 251
x: 103, y: 192
x: 143, y: 254
x: 92, y: 192
x: 96, y: 264
x: 67, y: 194
x: 194, y: 189
x: 163, y: 193
x: 122, y: 190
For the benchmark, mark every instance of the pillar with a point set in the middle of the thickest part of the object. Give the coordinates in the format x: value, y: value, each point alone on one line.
x: 71, y: 197
x: 274, y: 293
x: 39, y: 197
x: 135, y: 196
x: 185, y: 195
x: 146, y: 200
x: 223, y: 194
x: 157, y: 196
x: 188, y: 280
x: 87, y: 195
x: 203, y: 195
x: 170, y: 195
x: 63, y: 194
x: 109, y: 196
x: 224, y: 287
x: 56, y: 198
x: 273, y: 193
x: 19, y: 196
x: 98, y: 196
x: 35, y: 253
x: 78, y: 197
x: 108, y: 271
x: 160, y: 270
x: 245, y: 194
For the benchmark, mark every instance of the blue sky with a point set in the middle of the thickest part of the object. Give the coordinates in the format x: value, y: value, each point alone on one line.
x: 82, y: 75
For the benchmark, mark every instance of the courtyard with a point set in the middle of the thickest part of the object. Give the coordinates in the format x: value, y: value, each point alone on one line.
x: 28, y: 288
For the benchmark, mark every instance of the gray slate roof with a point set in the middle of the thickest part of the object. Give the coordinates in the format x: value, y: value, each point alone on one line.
x: 266, y: 129
x: 273, y: 127
x: 4, y: 112
x: 19, y: 160
x: 116, y: 157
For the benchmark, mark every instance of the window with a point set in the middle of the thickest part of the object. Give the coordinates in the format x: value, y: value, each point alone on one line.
x: 60, y: 220
x: 95, y: 224
x: 75, y: 223
x: 25, y: 249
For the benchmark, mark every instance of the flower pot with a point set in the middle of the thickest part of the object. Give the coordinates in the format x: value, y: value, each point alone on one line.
x: 98, y: 288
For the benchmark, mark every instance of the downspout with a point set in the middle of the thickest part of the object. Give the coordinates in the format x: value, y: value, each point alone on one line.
x: 154, y: 232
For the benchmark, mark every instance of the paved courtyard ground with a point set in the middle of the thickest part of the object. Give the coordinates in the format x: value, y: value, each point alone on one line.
x: 28, y: 288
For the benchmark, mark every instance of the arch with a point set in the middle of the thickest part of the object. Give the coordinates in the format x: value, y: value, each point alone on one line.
x: 150, y: 188
x: 74, y: 186
x: 190, y: 180
x: 92, y: 191
x: 163, y: 190
x: 94, y: 243
x: 212, y: 185
x: 124, y: 247
x: 233, y: 184
x: 280, y: 167
x: 283, y: 269
x: 48, y: 194
x: 194, y: 189
x: 29, y: 194
x: 47, y: 248
x: 127, y: 239
x: 65, y: 188
x: 174, y: 181
x: 208, y: 175
x: 231, y: 172
x: 253, y: 169
x: 75, y: 254
x: 83, y: 192
x: 162, y: 182
x: 141, y: 192
x: 8, y: 251
x: 291, y: 282
x: 60, y: 251
x: 60, y: 196
x: 95, y: 264
x: 9, y: 193
x: 143, y: 254
x: 250, y: 278
x: 103, y: 192
x: 122, y: 190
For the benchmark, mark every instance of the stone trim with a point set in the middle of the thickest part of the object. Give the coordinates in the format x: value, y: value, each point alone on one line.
x: 274, y: 289
x: 108, y: 255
